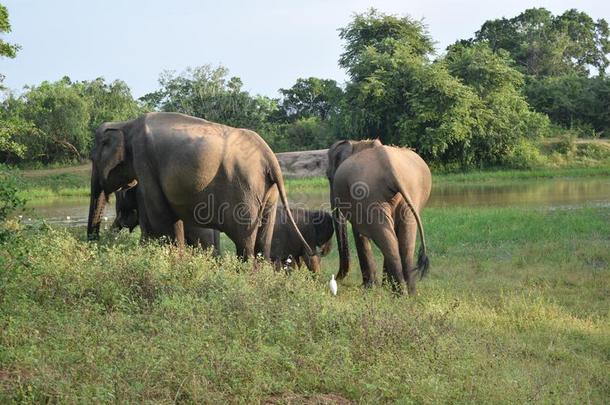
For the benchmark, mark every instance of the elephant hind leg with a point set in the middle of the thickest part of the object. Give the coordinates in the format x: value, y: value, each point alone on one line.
x: 385, y: 238
x: 264, y: 233
x: 406, y: 231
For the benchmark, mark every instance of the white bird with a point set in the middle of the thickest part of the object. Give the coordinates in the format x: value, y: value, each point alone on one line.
x: 333, y: 285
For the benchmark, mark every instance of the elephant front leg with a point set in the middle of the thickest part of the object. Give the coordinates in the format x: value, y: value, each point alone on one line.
x: 156, y: 217
x: 365, y: 257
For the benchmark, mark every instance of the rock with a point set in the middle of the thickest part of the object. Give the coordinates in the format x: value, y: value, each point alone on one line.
x: 309, y: 163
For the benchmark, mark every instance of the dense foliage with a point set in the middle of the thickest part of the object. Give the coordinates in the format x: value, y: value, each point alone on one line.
x: 564, y: 60
x: 486, y: 101
x: 55, y: 121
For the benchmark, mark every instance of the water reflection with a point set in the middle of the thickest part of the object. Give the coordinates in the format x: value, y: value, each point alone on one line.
x: 530, y: 193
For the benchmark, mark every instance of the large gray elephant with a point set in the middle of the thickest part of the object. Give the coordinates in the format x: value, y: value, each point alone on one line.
x: 190, y: 172
x: 127, y: 216
x: 380, y: 190
x: 316, y: 227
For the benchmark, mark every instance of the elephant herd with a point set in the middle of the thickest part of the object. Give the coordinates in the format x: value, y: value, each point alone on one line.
x: 189, y: 179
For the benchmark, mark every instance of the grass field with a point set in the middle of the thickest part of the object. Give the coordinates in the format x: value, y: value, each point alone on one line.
x: 516, y: 309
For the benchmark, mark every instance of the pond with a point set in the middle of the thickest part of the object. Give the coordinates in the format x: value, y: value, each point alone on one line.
x: 564, y: 192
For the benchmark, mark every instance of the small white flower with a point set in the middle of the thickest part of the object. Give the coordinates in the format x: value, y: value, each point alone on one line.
x: 20, y: 217
x: 105, y: 219
x: 68, y: 217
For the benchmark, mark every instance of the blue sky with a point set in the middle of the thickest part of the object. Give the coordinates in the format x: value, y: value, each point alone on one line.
x: 268, y: 43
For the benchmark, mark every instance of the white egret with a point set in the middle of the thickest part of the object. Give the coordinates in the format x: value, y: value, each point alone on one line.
x: 333, y: 285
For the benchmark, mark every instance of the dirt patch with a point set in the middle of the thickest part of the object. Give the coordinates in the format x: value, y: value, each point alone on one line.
x: 84, y: 168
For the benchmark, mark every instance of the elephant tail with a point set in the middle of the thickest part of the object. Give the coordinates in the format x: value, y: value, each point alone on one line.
x: 423, y: 263
x: 278, y: 179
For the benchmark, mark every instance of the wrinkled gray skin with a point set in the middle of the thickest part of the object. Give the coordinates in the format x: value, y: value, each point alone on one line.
x: 316, y: 227
x: 381, y: 191
x: 126, y: 207
x: 190, y: 173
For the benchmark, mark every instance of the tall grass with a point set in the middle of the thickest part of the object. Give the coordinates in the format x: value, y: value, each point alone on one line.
x: 516, y: 309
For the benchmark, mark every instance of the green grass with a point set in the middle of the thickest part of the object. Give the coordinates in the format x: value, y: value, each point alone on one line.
x: 45, y: 185
x: 516, y: 309
x: 472, y: 178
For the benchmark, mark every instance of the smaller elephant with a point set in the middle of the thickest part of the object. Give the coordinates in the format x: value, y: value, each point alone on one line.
x: 316, y: 227
x: 127, y: 217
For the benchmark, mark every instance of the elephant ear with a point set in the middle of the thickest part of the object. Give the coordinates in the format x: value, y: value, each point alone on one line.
x: 112, y: 151
x: 337, y: 153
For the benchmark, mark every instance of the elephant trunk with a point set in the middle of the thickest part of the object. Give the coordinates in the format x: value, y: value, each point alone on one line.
x: 96, y: 206
x: 339, y: 223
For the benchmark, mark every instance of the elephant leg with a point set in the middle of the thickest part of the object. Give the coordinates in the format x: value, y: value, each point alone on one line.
x: 365, y: 258
x: 244, y: 246
x: 406, y: 231
x: 385, y: 238
x: 264, y: 233
x: 216, y: 251
x: 145, y: 226
x: 160, y: 217
x: 312, y: 263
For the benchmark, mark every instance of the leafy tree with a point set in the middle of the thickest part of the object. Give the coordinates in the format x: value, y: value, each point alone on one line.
x: 464, y: 109
x: 545, y: 45
x: 6, y: 49
x: 61, y: 114
x: 503, y: 116
x: 108, y: 101
x: 383, y: 33
x: 396, y: 94
x: 311, y: 97
x: 15, y: 135
x: 573, y: 101
x: 208, y: 93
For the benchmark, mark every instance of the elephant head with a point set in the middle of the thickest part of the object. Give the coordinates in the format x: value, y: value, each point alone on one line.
x: 111, y: 169
x: 126, y: 209
x: 337, y: 154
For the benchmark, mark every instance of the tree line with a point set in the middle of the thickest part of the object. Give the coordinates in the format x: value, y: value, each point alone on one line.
x: 485, y: 101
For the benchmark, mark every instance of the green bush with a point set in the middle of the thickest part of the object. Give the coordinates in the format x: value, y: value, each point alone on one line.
x: 9, y: 201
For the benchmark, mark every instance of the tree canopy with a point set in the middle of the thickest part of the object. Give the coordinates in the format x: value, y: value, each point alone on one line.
x: 484, y: 102
x: 542, y: 44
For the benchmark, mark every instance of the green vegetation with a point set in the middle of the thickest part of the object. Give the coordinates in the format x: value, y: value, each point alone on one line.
x: 515, y: 310
x: 516, y: 307
x: 485, y: 102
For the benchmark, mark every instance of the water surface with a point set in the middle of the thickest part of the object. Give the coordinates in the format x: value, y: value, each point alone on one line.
x: 565, y: 192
